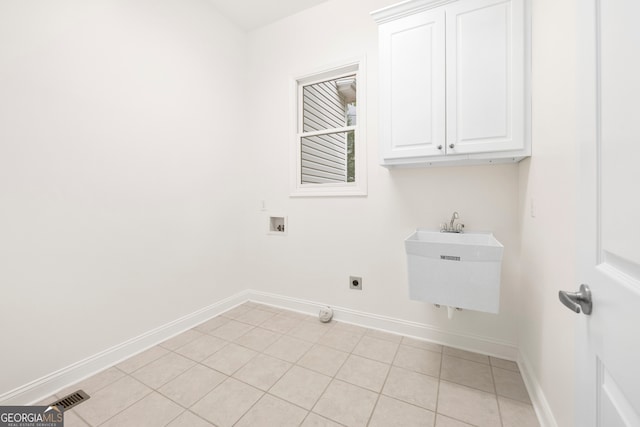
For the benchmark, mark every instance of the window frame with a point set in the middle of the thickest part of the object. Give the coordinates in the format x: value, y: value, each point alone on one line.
x: 359, y: 186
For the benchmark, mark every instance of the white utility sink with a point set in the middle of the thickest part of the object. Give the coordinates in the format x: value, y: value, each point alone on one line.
x: 455, y: 269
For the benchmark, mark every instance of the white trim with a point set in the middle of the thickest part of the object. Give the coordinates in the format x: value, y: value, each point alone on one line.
x: 405, y: 8
x: 475, y: 343
x: 332, y: 73
x: 359, y: 187
x: 327, y: 131
x: 55, y: 381
x: 536, y: 393
x: 51, y: 383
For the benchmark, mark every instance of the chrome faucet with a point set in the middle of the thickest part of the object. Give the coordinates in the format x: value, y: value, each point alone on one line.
x: 451, y: 227
x: 453, y: 218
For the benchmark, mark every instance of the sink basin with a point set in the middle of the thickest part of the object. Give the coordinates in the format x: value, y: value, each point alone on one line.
x: 455, y: 269
x: 477, y: 246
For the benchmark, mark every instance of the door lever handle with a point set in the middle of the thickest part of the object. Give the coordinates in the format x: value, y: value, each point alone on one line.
x: 577, y: 301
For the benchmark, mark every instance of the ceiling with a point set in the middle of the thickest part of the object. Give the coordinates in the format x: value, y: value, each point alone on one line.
x: 251, y: 14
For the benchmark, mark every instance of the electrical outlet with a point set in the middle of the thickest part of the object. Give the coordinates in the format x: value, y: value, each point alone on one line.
x: 355, y: 282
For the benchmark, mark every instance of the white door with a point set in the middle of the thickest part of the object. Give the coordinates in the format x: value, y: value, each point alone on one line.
x: 485, y: 76
x: 608, y: 91
x: 412, y: 86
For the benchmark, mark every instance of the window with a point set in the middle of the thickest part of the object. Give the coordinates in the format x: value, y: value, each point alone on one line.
x: 329, y: 154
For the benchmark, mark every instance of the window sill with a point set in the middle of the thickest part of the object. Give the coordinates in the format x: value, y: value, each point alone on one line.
x: 328, y: 190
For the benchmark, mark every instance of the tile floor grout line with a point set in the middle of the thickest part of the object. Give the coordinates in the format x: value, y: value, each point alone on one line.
x: 471, y: 387
x: 205, y: 395
x: 333, y: 377
x: 373, y: 410
x: 180, y: 404
x: 128, y: 406
x: 391, y: 363
x: 324, y: 390
x: 157, y: 390
x: 477, y: 388
x: 365, y: 357
x: 279, y: 378
x: 177, y: 416
x: 459, y: 420
x: 474, y: 389
x: 182, y: 333
x: 264, y: 393
x: 495, y: 389
x: 182, y: 373
x: 415, y: 405
x: 326, y: 418
x: 415, y: 371
x: 83, y: 420
x: 148, y: 363
x: 343, y: 337
x: 174, y: 351
x: 201, y: 363
x: 351, y: 353
x: 197, y: 415
x: 438, y: 386
x: 528, y: 402
x: 77, y: 385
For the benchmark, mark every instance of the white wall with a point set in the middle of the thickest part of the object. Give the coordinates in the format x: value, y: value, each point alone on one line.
x: 119, y: 207
x: 330, y: 239
x: 549, y: 179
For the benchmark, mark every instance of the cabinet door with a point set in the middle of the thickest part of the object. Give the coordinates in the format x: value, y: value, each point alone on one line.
x: 485, y: 76
x: 412, y: 86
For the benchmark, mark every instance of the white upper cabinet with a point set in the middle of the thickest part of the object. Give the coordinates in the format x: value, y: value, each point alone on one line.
x: 485, y: 81
x: 453, y: 82
x: 412, y: 82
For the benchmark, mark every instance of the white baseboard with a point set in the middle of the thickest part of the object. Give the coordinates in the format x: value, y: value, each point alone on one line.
x: 48, y: 385
x: 421, y: 331
x: 538, y: 399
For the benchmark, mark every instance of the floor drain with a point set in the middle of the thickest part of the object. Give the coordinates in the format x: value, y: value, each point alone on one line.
x: 71, y: 400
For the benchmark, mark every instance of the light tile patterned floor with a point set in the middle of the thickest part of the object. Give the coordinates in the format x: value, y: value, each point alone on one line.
x: 260, y: 366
